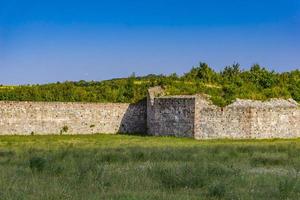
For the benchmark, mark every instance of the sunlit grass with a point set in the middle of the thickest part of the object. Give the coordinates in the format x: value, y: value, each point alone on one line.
x: 144, y: 167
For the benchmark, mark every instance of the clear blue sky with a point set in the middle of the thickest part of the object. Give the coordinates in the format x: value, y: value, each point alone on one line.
x: 55, y: 40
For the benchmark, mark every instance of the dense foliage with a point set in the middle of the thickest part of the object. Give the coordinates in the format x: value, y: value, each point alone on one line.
x: 223, y: 87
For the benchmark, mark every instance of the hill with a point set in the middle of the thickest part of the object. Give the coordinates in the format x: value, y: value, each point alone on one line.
x: 232, y: 82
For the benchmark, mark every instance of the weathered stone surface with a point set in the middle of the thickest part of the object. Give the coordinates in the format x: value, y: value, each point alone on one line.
x: 195, y: 116
x: 78, y: 118
x: 245, y: 119
x: 182, y: 116
x: 172, y: 116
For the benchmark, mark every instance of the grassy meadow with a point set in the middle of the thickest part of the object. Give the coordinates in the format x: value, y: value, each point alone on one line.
x: 138, y: 167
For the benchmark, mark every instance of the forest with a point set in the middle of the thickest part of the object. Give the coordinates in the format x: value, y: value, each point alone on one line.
x: 257, y: 83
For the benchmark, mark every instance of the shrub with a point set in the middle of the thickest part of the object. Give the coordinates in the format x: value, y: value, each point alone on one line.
x: 4, y: 153
x: 256, y: 83
x: 37, y: 163
x: 216, y: 169
x: 268, y: 159
x: 180, y: 176
x: 217, y: 189
x: 64, y: 129
x: 286, y: 186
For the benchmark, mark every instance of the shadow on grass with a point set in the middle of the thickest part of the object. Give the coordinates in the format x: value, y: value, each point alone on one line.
x: 136, y: 134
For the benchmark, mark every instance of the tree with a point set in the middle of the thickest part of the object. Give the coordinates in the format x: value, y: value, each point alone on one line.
x: 262, y: 77
x: 203, y: 73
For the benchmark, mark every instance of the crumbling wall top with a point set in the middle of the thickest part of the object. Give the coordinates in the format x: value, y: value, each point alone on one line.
x: 272, y: 103
x: 155, y: 92
x: 205, y: 100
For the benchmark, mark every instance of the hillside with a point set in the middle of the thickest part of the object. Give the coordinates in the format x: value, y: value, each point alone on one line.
x: 256, y: 83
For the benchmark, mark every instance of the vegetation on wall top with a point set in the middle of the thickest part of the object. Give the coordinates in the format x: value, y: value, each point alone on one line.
x: 230, y: 83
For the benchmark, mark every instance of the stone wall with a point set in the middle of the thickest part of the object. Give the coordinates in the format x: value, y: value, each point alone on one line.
x: 246, y: 119
x: 182, y: 116
x: 153, y: 93
x: 75, y: 118
x: 195, y: 116
x: 171, y: 116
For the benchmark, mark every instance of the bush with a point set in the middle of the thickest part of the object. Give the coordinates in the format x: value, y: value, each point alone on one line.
x: 268, y: 159
x: 64, y: 129
x: 286, y: 186
x: 217, y: 190
x: 223, y: 87
x: 180, y: 176
x: 37, y: 163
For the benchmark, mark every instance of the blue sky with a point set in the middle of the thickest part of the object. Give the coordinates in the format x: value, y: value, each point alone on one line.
x: 49, y: 41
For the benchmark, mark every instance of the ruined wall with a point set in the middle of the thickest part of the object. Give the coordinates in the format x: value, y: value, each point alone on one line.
x: 182, y: 116
x: 171, y: 116
x: 152, y: 94
x: 247, y: 119
x: 79, y: 118
x: 196, y: 116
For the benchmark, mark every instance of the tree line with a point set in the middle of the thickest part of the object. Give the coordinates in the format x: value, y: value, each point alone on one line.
x: 223, y: 86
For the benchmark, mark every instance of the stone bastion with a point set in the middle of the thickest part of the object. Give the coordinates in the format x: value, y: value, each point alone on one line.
x: 182, y: 116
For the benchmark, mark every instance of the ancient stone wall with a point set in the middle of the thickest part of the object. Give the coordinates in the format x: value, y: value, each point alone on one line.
x: 71, y: 118
x: 247, y: 119
x: 196, y: 116
x: 152, y: 94
x: 182, y: 116
x: 169, y: 116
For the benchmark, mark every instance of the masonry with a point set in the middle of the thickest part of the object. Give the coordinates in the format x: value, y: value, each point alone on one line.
x: 196, y: 116
x: 182, y: 116
x: 24, y: 118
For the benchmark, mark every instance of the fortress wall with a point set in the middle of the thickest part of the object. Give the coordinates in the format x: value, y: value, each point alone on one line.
x: 172, y: 116
x: 152, y: 94
x: 182, y: 116
x: 247, y: 119
x: 81, y: 118
x: 214, y: 122
x: 195, y: 116
x: 275, y: 123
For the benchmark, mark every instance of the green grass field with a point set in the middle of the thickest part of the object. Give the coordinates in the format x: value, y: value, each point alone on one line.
x: 136, y: 167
